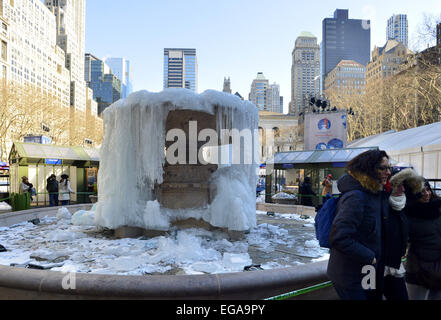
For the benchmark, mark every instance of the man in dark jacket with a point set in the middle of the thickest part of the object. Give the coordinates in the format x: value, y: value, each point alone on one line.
x: 356, y: 265
x: 306, y: 193
x: 52, y: 188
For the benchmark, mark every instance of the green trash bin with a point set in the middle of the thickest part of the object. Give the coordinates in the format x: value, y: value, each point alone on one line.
x: 20, y: 202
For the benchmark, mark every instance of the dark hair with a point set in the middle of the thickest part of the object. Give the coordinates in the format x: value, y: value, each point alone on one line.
x: 434, y: 196
x: 367, y: 162
x: 307, y: 180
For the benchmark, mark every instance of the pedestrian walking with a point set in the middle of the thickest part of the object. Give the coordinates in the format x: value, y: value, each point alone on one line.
x: 52, y: 189
x: 423, y: 265
x: 396, y: 235
x: 65, y: 190
x: 356, y: 234
x: 327, y: 188
x: 306, y: 193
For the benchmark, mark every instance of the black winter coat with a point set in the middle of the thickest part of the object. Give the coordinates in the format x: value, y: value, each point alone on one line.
x: 396, y: 234
x: 306, y: 194
x: 356, y: 234
x: 425, y: 230
x: 424, y: 239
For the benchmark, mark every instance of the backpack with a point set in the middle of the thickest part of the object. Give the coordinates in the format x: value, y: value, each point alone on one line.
x: 324, y: 220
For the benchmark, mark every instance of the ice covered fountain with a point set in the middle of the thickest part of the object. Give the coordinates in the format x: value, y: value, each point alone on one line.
x: 177, y: 157
x: 171, y: 163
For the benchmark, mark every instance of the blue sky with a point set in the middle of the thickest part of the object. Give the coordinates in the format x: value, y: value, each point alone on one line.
x: 233, y: 38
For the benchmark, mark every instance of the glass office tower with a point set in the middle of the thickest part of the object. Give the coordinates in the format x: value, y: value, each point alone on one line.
x: 180, y: 69
x: 344, y: 39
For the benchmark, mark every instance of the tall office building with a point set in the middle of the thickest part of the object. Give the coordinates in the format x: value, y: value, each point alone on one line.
x: 180, y: 69
x: 274, y: 98
x: 259, y: 90
x: 4, y: 46
x: 121, y: 68
x: 398, y: 29
x: 29, y: 51
x: 70, y: 18
x: 344, y: 39
x: 105, y: 85
x: 305, y: 72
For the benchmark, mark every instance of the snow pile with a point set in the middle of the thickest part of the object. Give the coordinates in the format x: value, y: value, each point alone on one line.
x: 5, y: 207
x: 83, y: 218
x: 134, y: 139
x: 63, y: 214
x: 284, y: 196
x: 68, y: 248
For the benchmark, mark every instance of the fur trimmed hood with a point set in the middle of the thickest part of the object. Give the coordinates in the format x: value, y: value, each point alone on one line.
x: 367, y: 182
x: 412, y: 181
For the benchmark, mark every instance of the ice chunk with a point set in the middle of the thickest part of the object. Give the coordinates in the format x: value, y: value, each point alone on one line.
x: 236, y: 262
x: 205, y: 267
x: 5, y: 207
x: 124, y: 264
x: 312, y: 244
x: 63, y: 215
x: 63, y: 235
x: 51, y: 256
x: 83, y: 218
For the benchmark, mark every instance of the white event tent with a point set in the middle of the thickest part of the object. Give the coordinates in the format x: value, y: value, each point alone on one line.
x: 420, y: 147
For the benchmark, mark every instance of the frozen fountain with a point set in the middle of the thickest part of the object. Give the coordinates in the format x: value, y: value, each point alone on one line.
x: 177, y: 179
x: 176, y: 157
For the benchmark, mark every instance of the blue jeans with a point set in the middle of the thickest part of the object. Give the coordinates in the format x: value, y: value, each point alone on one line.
x: 53, y: 199
x: 65, y: 202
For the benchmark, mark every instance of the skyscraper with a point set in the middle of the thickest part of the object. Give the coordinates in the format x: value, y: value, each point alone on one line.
x: 105, y: 85
x: 180, y: 69
x: 305, y: 71
x: 70, y: 18
x: 259, y: 91
x: 121, y: 68
x: 344, y: 39
x: 274, y: 98
x: 398, y: 29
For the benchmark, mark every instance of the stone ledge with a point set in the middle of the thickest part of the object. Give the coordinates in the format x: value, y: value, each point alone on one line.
x: 291, y: 209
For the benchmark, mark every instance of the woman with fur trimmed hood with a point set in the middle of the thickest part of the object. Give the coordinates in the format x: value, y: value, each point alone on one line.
x: 423, y: 265
x: 356, y: 234
x: 396, y: 234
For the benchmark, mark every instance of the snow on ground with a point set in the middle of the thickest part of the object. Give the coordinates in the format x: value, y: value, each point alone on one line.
x: 5, y: 207
x: 57, y: 244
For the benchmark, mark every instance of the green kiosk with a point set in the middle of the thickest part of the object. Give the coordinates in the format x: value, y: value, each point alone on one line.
x: 39, y: 161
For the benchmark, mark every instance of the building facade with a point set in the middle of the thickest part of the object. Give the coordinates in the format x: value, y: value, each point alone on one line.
x: 105, y: 85
x: 304, y: 72
x: 40, y: 48
x: 398, y: 29
x: 70, y: 18
x: 180, y: 69
x: 227, y: 86
x: 347, y: 78
x: 387, y: 61
x: 259, y: 91
x: 121, y: 68
x: 344, y: 39
x: 274, y: 98
x: 4, y: 44
x: 30, y: 55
